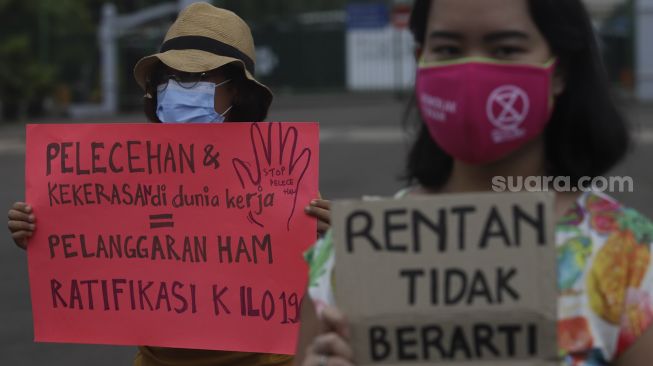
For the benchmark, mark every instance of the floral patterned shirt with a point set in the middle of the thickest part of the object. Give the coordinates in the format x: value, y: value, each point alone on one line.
x: 605, y: 279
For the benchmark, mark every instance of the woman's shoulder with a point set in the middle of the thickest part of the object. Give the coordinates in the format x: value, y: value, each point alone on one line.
x: 605, y: 274
x: 605, y: 216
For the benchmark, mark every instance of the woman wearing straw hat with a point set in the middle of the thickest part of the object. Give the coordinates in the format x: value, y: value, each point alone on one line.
x: 204, y: 73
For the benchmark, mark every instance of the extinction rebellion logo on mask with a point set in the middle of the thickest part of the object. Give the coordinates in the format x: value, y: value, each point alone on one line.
x: 507, y: 108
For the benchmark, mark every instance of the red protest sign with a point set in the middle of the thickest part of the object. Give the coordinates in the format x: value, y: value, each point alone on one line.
x: 187, y: 236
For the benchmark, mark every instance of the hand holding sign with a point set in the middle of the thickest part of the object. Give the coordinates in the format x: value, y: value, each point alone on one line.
x: 332, y: 344
x: 21, y: 223
x: 278, y: 166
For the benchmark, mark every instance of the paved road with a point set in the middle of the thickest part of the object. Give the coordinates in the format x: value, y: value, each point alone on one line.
x: 362, y: 152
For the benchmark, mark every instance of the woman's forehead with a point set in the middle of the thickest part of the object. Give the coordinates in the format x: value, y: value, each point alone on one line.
x: 170, y: 70
x: 478, y: 16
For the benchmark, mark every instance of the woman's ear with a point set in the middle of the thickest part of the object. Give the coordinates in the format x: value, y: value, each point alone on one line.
x: 235, y: 90
x: 149, y: 105
x: 418, y: 52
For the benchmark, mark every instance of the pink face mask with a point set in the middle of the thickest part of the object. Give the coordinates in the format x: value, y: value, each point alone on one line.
x: 480, y: 111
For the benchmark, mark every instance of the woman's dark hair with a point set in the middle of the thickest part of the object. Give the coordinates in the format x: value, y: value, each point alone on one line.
x: 586, y: 136
x: 250, y: 103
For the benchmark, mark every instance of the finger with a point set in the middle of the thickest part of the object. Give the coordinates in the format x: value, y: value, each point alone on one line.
x: 20, y: 225
x: 20, y: 238
x: 319, y: 213
x: 315, y: 359
x: 322, y: 227
x: 20, y: 216
x: 334, y: 345
x: 321, y: 203
x: 335, y: 321
x: 22, y: 244
x: 21, y: 234
x: 22, y: 206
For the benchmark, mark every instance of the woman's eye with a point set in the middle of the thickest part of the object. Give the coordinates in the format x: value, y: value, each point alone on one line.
x: 506, y: 52
x: 446, y: 51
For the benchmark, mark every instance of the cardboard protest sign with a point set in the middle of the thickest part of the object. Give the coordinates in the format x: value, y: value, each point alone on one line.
x: 460, y: 279
x: 187, y: 236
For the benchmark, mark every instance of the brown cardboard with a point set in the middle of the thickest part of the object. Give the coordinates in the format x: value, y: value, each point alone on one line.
x: 388, y: 278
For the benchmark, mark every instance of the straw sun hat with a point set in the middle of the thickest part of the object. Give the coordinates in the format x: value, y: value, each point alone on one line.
x: 204, y: 38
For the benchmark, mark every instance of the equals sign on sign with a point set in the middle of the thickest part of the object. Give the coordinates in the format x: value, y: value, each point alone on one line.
x: 162, y: 220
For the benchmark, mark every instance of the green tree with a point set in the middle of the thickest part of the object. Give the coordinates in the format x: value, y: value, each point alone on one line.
x: 39, y: 41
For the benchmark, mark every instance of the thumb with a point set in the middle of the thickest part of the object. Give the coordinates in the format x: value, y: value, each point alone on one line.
x: 335, y: 321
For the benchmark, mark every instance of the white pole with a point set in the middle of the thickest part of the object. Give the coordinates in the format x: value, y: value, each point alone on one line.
x: 643, y: 49
x: 108, y: 56
x: 111, y: 27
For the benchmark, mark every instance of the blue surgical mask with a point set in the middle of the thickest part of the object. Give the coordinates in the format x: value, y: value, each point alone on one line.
x: 176, y: 104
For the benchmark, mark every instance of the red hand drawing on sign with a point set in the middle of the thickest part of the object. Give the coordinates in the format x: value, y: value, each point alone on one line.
x: 278, y: 165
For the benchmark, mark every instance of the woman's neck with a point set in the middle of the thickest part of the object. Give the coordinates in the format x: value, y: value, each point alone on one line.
x: 528, y: 161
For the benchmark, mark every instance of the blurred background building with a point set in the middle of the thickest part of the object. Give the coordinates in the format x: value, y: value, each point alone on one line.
x: 74, y: 57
